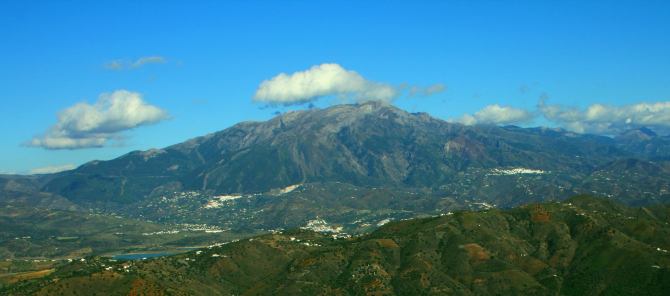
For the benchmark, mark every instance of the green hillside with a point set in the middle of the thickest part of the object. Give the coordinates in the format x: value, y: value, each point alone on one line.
x: 582, y: 246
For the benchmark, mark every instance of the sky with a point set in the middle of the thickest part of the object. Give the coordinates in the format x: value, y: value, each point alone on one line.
x: 86, y: 80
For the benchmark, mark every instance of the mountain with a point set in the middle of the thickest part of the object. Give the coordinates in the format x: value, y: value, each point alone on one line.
x: 582, y: 246
x: 369, y: 144
x: 645, y: 142
x: 350, y: 167
x: 357, y: 165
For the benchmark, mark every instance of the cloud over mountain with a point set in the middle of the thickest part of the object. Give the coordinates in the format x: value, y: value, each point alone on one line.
x: 85, y: 125
x: 320, y: 81
x: 606, y: 119
x: 496, y: 114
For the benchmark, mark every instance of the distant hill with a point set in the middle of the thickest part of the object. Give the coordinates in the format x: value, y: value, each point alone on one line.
x: 582, y: 246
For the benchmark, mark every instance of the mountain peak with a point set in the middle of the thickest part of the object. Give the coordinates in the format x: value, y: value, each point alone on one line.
x: 339, y: 115
x: 363, y: 107
x: 374, y: 104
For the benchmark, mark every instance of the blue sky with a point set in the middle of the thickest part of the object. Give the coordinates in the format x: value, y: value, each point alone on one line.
x: 214, y: 55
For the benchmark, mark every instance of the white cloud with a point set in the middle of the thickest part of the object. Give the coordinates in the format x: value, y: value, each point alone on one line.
x: 320, y: 81
x: 496, y: 114
x: 84, y: 125
x: 609, y: 120
x: 53, y: 169
x: 333, y: 80
x: 142, y: 61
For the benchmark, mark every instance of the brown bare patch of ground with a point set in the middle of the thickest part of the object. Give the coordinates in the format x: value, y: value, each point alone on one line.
x: 142, y: 287
x: 388, y: 243
x: 476, y: 252
x: 29, y: 275
x: 539, y: 214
